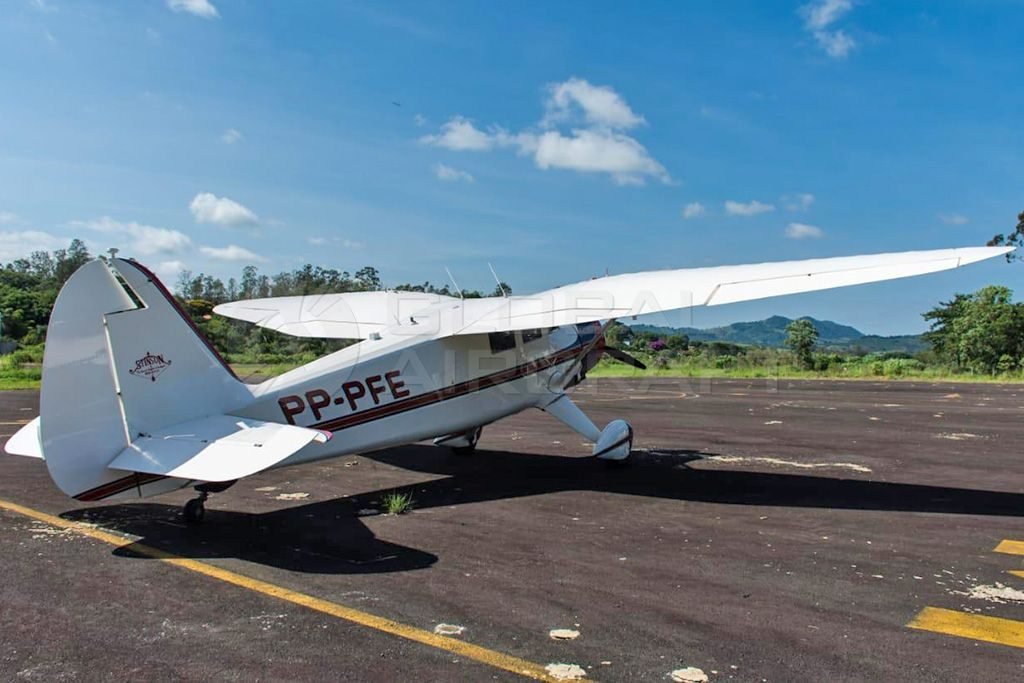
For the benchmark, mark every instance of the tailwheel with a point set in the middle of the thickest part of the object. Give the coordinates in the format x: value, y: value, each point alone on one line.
x: 467, y: 445
x: 195, y: 509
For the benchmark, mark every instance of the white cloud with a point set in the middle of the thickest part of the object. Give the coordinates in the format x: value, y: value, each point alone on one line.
x: 42, y: 6
x: 336, y: 241
x: 599, y: 104
x: 802, y: 231
x: 169, y: 270
x: 232, y: 252
x: 461, y: 135
x: 954, y: 218
x: 694, y: 210
x: 200, y: 8
x: 209, y: 208
x: 452, y: 175
x: 722, y: 116
x: 823, y: 13
x: 595, y: 142
x: 419, y: 120
x: 835, y: 43
x: 21, y: 243
x: 596, y: 151
x: 819, y: 16
x: 7, y: 217
x: 734, y: 208
x: 800, y: 201
x: 230, y: 136
x: 139, y: 239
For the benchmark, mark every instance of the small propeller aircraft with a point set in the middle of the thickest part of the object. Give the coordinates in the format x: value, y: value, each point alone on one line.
x: 135, y: 402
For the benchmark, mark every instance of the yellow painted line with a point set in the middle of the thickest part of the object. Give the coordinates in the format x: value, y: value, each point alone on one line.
x: 493, y: 658
x: 1017, y: 573
x: 1011, y: 547
x: 972, y: 626
x: 16, y: 422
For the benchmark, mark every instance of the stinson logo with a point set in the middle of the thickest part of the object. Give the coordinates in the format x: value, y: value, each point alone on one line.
x: 150, y: 366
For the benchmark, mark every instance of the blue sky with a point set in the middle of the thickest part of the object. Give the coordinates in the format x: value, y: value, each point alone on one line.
x: 554, y: 140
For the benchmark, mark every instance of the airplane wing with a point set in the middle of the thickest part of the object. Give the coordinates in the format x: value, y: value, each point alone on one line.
x: 633, y: 294
x: 357, y: 315
x: 351, y: 315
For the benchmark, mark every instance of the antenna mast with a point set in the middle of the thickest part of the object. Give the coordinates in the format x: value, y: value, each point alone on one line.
x: 498, y: 280
x: 456, y: 284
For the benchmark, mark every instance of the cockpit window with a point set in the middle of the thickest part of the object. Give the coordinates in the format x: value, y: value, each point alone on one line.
x: 531, y: 335
x: 502, y: 341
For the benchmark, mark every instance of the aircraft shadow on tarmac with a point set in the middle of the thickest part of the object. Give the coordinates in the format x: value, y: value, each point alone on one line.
x: 493, y: 475
x: 320, y: 538
x: 329, y: 537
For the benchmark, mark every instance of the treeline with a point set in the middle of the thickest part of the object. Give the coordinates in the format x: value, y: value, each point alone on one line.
x: 308, y: 279
x: 980, y: 333
x: 973, y: 334
x: 242, y: 342
x: 29, y: 287
x: 678, y: 355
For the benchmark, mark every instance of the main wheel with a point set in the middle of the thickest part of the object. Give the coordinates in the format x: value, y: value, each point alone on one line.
x: 615, y: 443
x: 195, y: 511
x: 473, y: 437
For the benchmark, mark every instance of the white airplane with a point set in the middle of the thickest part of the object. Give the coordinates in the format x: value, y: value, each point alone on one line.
x: 135, y: 402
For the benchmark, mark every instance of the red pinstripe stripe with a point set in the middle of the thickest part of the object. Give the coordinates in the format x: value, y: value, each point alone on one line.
x: 395, y: 408
x: 454, y: 391
x: 118, y: 486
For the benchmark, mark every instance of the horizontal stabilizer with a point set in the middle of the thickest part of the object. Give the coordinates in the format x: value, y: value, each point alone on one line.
x: 217, y: 448
x: 26, y: 441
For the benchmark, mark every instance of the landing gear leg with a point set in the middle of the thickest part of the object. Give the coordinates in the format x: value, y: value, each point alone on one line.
x: 195, y: 509
x: 472, y: 438
x: 611, y: 444
x: 461, y: 443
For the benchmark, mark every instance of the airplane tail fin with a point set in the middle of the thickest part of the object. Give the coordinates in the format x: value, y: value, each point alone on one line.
x: 123, y: 362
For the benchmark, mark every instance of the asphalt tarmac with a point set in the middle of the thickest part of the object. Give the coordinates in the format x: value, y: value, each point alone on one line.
x: 764, y: 531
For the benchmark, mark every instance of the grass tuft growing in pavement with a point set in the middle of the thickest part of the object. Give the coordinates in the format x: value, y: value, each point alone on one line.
x: 396, y: 503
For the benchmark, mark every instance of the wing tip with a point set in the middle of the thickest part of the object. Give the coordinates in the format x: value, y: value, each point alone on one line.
x: 974, y: 254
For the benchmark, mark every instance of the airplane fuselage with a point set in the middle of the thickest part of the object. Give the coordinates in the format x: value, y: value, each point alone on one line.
x: 391, y: 391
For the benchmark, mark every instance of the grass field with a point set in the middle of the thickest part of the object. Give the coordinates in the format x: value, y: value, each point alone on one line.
x: 20, y: 378
x: 28, y: 375
x: 612, y: 369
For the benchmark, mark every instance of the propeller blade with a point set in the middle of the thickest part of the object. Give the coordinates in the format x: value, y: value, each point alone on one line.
x: 623, y: 357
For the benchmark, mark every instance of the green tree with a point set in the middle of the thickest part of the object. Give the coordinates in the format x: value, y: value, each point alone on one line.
x: 67, y: 261
x: 677, y: 342
x: 368, y: 279
x: 501, y: 289
x: 943, y: 334
x: 1013, y: 239
x: 617, y: 334
x: 801, y: 336
x: 982, y: 332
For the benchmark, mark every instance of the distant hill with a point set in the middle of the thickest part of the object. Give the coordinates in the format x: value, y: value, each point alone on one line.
x: 772, y: 332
